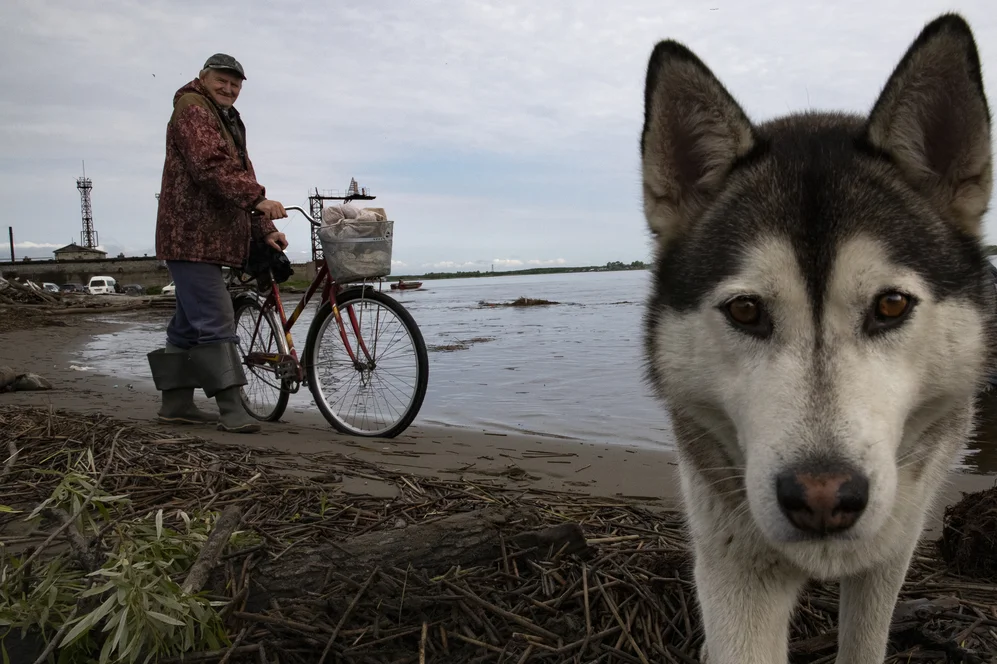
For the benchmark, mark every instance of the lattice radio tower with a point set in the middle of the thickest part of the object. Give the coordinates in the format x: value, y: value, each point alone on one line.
x: 89, y: 235
x: 316, y: 203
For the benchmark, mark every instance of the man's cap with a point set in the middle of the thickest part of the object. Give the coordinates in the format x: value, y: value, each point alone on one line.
x: 223, y: 61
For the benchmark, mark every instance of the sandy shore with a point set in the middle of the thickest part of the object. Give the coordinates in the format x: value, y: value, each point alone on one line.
x: 594, y: 467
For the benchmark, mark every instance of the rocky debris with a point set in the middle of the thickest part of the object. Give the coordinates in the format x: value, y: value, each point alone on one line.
x: 12, y: 381
x: 519, y: 302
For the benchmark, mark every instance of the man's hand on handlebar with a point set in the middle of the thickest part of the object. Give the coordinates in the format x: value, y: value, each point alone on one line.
x: 271, y: 210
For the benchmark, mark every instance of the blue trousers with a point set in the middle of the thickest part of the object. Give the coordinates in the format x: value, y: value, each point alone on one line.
x: 204, y: 313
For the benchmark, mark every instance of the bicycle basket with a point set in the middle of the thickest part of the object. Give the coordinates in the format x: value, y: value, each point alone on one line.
x: 356, y: 250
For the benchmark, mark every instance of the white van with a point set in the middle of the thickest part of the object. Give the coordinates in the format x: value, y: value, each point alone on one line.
x: 101, y: 286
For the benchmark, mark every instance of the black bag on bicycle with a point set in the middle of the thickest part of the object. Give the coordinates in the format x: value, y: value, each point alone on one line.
x: 263, y: 260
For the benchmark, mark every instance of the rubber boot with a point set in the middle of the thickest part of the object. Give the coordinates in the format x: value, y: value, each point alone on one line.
x: 173, y: 376
x: 218, y: 366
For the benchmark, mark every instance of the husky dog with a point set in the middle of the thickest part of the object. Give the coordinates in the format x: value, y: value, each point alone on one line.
x: 821, y: 321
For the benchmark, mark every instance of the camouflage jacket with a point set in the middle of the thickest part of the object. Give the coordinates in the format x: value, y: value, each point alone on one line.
x: 209, y: 187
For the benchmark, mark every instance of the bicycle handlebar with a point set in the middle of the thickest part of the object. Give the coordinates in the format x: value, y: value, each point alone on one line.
x: 299, y: 209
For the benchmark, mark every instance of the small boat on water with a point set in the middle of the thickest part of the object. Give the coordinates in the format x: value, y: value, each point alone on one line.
x: 405, y: 285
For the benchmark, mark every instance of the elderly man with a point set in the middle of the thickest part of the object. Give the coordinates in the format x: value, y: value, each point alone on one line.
x: 205, y: 221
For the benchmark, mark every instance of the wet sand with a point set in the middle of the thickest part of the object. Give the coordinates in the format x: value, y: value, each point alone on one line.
x: 597, y: 468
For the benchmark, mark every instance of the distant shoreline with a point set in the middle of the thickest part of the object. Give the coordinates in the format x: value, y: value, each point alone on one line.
x: 609, y: 267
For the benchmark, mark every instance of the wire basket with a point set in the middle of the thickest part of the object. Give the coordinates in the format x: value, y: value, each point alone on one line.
x: 356, y: 250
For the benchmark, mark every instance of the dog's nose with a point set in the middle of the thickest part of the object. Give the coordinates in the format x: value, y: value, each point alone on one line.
x: 822, y: 501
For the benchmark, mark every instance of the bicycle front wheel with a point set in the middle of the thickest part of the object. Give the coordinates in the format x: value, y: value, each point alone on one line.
x: 262, y: 347
x: 369, y: 375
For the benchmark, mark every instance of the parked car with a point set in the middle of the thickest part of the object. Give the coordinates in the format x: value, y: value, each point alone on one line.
x: 133, y: 289
x: 102, y: 285
x: 170, y: 289
x: 50, y: 288
x: 73, y: 288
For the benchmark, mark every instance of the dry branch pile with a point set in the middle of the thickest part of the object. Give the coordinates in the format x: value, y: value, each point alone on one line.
x: 23, y: 307
x: 12, y: 292
x: 969, y: 537
x: 445, y: 571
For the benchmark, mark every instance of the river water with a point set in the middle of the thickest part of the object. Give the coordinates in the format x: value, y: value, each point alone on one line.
x: 573, y: 369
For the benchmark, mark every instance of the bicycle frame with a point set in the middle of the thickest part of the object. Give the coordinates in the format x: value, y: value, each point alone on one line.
x: 330, y: 289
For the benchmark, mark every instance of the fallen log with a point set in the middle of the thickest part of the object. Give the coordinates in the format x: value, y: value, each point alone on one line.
x: 113, y: 308
x: 200, y: 571
x: 463, y: 539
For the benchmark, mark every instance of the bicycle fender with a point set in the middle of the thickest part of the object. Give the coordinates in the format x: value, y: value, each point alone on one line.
x: 246, y: 297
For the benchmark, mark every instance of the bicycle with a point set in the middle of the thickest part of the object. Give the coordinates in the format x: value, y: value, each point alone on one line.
x: 276, y: 362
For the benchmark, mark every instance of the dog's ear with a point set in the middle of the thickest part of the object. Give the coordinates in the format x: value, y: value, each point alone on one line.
x: 932, y: 119
x: 693, y: 132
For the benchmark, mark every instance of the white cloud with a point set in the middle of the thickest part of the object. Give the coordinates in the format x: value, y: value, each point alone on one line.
x: 452, y: 265
x: 29, y: 245
x: 497, y: 263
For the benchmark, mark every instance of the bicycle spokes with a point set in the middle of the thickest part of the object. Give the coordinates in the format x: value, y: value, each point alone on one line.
x: 367, y: 366
x: 271, y: 373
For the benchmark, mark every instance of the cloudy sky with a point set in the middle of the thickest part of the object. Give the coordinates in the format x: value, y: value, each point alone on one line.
x: 493, y: 132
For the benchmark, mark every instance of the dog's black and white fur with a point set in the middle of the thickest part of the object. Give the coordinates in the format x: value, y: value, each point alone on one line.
x: 821, y: 320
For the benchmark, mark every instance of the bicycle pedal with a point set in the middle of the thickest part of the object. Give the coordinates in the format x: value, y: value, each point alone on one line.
x: 286, y: 369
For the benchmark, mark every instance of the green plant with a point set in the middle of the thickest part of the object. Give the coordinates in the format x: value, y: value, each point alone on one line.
x: 133, y: 607
x: 70, y: 495
x: 144, y: 611
x: 299, y: 284
x: 45, y: 605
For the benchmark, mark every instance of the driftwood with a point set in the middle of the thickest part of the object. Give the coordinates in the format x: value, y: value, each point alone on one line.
x: 111, y: 308
x: 83, y: 550
x: 19, y: 293
x: 11, y: 459
x: 463, y: 539
x: 199, y: 572
x: 41, y: 302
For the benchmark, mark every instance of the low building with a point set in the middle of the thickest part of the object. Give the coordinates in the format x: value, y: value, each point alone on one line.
x: 74, y: 252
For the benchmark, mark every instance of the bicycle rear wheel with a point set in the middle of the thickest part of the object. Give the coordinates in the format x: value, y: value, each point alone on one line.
x: 266, y: 394
x: 378, y: 392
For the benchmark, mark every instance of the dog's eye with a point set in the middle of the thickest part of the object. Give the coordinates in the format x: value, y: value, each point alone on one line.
x: 748, y: 315
x: 892, y: 305
x: 888, y: 311
x: 744, y: 311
